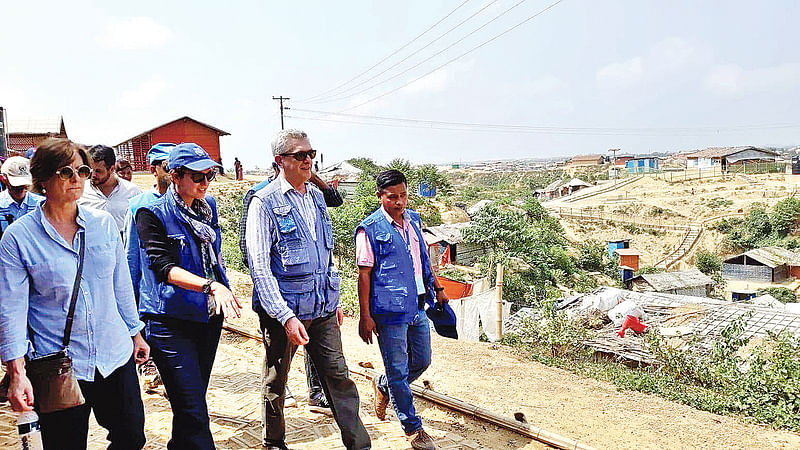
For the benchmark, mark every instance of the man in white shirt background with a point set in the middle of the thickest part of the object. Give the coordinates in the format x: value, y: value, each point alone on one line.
x: 105, y: 190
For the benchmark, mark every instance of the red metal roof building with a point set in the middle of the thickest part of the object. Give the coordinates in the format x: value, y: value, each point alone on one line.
x: 184, y: 129
x: 30, y: 132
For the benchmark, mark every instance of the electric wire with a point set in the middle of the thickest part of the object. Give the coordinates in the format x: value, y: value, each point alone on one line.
x: 337, y: 96
x: 526, y: 20
x: 322, y: 94
x: 579, y: 131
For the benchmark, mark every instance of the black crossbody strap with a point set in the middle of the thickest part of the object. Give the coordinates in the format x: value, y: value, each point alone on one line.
x: 75, y: 288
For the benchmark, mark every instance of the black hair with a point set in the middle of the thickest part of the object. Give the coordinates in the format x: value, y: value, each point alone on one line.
x: 390, y: 178
x: 103, y: 153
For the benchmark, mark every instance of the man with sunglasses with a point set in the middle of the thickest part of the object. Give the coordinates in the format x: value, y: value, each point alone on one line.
x: 296, y: 290
x: 105, y: 190
x: 137, y: 257
x: 181, y: 236
x: 317, y: 401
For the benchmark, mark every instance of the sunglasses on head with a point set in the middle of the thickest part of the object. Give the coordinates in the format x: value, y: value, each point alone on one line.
x: 301, y: 156
x: 198, y: 177
x: 65, y: 173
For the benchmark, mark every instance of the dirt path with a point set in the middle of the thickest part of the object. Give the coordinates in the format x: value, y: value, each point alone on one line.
x: 589, y: 411
x: 490, y: 376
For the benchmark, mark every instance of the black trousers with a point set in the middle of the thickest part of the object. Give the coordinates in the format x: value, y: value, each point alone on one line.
x: 325, y: 349
x: 117, y: 405
x: 184, y: 353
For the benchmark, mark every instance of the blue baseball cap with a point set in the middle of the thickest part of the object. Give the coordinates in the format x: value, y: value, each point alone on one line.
x: 29, y: 152
x: 159, y: 152
x: 190, y: 156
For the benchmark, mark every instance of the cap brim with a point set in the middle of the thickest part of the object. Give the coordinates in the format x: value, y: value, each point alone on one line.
x: 202, y: 165
x: 19, y: 181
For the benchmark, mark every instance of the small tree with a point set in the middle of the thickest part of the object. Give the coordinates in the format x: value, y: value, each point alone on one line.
x: 708, y: 263
x: 783, y: 219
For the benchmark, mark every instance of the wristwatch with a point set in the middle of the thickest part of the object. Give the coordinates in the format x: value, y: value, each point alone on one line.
x: 207, y: 287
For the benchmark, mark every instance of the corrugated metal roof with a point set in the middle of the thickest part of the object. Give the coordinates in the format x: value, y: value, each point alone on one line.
x: 450, y: 233
x: 552, y: 186
x: 675, y: 280
x: 35, y: 125
x: 587, y: 157
x: 343, y: 170
x: 719, y: 152
x: 215, y: 129
x: 771, y: 256
x: 576, y: 182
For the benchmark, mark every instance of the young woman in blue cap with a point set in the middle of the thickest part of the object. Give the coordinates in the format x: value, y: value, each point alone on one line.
x: 181, y: 236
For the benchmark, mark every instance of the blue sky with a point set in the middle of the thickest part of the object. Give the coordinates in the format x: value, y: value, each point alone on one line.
x: 113, y: 70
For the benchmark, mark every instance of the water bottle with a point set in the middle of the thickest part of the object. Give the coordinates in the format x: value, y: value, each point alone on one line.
x: 30, y: 436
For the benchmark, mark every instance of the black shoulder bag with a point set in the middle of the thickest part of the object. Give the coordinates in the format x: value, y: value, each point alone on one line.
x: 55, y: 387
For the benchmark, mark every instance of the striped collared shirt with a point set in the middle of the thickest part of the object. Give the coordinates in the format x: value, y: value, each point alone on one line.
x: 261, y: 233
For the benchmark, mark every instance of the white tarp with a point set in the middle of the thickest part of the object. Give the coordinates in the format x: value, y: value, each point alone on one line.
x: 603, y: 300
x: 476, y: 312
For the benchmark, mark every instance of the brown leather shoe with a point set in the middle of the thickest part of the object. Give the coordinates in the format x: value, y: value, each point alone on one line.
x: 422, y: 440
x: 380, y: 400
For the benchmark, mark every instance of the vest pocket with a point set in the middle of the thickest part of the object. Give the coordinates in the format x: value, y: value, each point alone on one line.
x: 332, y: 292
x: 384, y: 242
x: 299, y: 295
x: 391, y: 299
x: 293, y: 252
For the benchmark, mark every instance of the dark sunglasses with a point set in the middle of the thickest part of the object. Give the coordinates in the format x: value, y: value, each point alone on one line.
x: 65, y: 173
x: 198, y: 177
x: 301, y: 156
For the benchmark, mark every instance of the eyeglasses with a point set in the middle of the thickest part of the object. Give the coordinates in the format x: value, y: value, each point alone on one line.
x: 301, y: 156
x: 65, y: 173
x: 198, y: 177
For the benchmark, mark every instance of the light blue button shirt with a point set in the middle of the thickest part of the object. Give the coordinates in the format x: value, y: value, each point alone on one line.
x: 37, y: 271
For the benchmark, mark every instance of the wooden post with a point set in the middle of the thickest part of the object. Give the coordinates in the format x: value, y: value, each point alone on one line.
x: 498, y: 284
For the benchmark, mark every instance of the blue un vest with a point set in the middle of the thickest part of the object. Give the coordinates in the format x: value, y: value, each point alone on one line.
x: 393, y: 293
x: 171, y: 300
x: 144, y: 287
x: 303, y: 268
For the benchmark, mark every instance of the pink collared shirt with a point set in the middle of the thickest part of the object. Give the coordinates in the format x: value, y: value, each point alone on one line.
x: 365, y: 257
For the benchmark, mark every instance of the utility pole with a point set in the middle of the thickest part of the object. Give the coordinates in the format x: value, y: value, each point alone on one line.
x: 281, y: 99
x: 3, y: 133
x: 614, y: 163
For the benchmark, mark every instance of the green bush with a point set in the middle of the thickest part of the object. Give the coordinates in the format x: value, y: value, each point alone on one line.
x: 782, y: 294
x: 708, y: 262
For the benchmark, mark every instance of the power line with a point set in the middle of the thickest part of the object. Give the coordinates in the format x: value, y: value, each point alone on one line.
x: 391, y: 54
x: 416, y: 52
x: 552, y: 5
x: 523, y: 129
x: 708, y: 128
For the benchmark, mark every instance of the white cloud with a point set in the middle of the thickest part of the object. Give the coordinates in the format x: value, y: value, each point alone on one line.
x: 144, y: 95
x: 663, y: 60
x: 620, y: 74
x: 733, y: 80
x: 134, y: 33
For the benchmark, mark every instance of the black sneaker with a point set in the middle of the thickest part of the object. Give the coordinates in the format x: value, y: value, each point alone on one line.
x: 318, y: 403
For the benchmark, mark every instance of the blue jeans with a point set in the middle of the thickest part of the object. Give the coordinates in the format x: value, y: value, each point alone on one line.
x: 406, y: 352
x: 184, y: 353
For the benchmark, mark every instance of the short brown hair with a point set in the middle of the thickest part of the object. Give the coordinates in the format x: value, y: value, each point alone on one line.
x: 123, y: 164
x: 51, y: 155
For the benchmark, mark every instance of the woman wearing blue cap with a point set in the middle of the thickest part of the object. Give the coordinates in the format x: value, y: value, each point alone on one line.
x: 181, y: 236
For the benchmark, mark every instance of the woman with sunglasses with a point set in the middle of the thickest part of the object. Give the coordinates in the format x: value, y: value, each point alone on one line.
x: 39, y: 258
x: 181, y: 236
